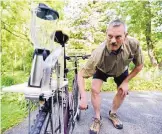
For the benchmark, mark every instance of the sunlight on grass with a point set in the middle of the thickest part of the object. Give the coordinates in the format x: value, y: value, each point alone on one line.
x: 12, y: 114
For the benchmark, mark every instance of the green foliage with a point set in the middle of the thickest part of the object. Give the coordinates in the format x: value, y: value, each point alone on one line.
x: 131, y: 66
x: 99, y: 37
x: 146, y: 81
x: 12, y: 114
x: 143, y: 84
x: 77, y: 44
x: 16, y: 44
x: 15, y: 33
x: 14, y: 109
x: 158, y: 51
x: 78, y: 35
x: 28, y: 59
x: 7, y: 80
x: 109, y: 85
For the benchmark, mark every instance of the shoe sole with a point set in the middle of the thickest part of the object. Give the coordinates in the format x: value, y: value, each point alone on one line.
x: 92, y: 132
x: 114, y: 125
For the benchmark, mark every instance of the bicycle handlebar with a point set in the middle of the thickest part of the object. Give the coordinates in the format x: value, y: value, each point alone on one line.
x: 78, y: 56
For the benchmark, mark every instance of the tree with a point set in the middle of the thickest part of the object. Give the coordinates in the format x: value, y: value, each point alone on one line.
x: 143, y: 20
x: 15, y: 31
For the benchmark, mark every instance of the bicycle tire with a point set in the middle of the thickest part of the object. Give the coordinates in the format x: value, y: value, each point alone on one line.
x: 41, y: 120
x: 76, y: 98
x: 74, y: 113
x: 66, y: 114
x: 57, y: 113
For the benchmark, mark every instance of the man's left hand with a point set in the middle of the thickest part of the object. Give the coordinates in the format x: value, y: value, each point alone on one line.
x: 124, y: 88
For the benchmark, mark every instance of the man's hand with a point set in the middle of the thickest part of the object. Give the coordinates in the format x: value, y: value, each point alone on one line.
x: 83, y: 103
x: 123, y: 88
x: 81, y: 84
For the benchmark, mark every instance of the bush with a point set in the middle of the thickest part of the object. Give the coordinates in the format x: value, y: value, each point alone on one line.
x: 7, y: 80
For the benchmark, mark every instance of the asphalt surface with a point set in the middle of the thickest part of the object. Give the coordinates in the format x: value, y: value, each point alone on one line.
x: 141, y: 113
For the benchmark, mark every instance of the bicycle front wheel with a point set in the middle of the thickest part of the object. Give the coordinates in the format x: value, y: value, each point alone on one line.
x: 76, y: 98
x: 41, y: 122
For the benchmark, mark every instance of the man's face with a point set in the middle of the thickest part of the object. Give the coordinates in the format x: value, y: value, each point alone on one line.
x: 115, y: 37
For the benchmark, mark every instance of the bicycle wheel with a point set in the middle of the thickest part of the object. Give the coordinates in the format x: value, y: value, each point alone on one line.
x: 49, y: 121
x: 74, y: 111
x: 41, y: 122
x: 66, y: 115
x: 76, y: 98
x: 57, y: 115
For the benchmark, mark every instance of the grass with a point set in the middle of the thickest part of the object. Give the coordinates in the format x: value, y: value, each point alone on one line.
x: 13, y: 107
x: 8, y: 78
x: 12, y: 114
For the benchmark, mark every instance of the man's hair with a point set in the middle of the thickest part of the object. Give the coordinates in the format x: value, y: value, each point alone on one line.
x: 117, y: 23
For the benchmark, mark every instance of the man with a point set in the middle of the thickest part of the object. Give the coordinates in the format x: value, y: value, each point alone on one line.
x: 110, y: 59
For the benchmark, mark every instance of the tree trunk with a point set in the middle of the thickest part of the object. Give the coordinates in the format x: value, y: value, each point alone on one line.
x: 148, y: 36
x: 160, y: 65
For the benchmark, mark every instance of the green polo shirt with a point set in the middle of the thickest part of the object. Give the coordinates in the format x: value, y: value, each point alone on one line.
x: 111, y: 64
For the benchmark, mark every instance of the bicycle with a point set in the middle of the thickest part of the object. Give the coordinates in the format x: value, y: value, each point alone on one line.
x: 71, y: 111
x: 75, y: 98
x: 60, y: 101
x: 48, y: 83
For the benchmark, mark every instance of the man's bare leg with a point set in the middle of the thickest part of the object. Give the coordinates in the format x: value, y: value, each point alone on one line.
x: 95, y: 96
x: 117, y: 101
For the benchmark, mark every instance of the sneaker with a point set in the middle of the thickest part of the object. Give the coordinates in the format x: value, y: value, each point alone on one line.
x: 95, y: 127
x: 115, y: 120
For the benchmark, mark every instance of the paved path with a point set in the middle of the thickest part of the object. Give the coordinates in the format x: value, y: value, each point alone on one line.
x: 141, y: 113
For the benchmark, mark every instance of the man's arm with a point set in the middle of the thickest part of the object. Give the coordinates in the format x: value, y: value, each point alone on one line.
x: 138, y: 61
x: 86, y: 71
x: 124, y: 85
x: 133, y: 73
x: 81, y: 84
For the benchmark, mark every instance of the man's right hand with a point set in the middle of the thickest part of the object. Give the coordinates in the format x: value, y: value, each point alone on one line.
x: 83, y: 104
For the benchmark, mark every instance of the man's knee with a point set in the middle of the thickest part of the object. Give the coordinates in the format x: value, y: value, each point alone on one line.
x: 120, y: 94
x: 96, y: 86
x: 95, y: 90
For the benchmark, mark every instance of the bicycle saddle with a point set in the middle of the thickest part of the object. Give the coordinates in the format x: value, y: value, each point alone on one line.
x: 60, y: 37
